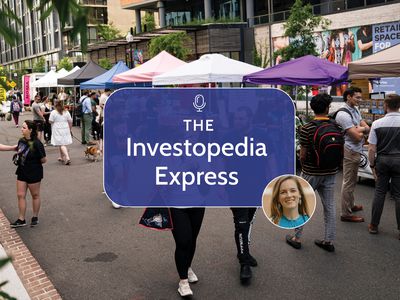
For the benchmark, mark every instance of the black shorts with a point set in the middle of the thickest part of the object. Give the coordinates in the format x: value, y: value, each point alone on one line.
x: 39, y: 124
x: 28, y: 180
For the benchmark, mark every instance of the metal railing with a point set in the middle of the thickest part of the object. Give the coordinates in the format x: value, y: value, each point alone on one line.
x: 325, y: 8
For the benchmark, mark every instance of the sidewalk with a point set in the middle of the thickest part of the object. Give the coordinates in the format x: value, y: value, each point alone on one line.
x: 14, y: 287
x: 26, y: 279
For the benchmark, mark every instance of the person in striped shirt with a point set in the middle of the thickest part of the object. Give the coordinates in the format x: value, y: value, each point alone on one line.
x: 321, y: 180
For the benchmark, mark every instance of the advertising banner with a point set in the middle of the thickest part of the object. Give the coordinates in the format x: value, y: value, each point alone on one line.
x: 196, y: 147
x: 342, y: 46
x: 27, y: 92
x: 385, y: 35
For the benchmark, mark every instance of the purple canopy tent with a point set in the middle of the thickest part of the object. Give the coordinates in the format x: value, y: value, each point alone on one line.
x: 306, y: 70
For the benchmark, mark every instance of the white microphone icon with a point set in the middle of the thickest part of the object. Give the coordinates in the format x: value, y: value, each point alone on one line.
x: 199, y: 103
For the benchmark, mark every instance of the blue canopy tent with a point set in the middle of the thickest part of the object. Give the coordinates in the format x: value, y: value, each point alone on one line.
x: 104, y: 81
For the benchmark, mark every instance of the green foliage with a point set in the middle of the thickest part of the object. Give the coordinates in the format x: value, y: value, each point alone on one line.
x: 173, y: 43
x: 39, y: 66
x: 105, y: 63
x: 65, y: 63
x: 148, y: 22
x: 260, y: 55
x: 67, y: 10
x: 108, y: 31
x: 300, y: 27
x: 4, y: 295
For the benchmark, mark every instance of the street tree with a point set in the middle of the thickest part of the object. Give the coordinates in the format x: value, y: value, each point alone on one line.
x: 300, y: 28
x: 40, y: 65
x: 65, y: 63
x: 105, y: 63
x: 173, y: 43
x: 68, y: 10
x: 149, y: 23
x: 108, y: 31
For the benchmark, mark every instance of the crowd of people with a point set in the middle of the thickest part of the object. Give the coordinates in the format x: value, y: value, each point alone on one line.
x: 384, y: 157
x: 51, y: 125
x: 287, y: 208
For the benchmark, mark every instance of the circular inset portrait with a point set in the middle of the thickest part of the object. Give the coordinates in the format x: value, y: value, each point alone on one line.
x: 288, y: 201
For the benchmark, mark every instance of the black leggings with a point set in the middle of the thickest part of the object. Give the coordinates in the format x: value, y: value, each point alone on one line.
x: 243, y: 218
x: 187, y: 224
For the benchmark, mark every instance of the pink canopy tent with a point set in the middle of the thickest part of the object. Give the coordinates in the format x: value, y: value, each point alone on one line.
x: 159, y: 64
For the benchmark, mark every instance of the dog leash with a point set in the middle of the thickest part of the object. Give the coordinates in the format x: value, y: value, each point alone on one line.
x: 76, y: 138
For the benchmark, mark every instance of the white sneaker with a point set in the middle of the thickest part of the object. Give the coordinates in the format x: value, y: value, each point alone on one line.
x: 184, y: 289
x: 115, y: 205
x: 192, y: 278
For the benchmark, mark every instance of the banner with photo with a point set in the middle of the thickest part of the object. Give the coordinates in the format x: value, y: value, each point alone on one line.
x: 342, y: 46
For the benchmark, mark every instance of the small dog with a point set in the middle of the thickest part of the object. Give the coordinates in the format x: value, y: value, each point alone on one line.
x: 2, y: 116
x: 92, y: 151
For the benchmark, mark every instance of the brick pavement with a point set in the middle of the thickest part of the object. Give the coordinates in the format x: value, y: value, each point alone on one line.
x: 34, y: 279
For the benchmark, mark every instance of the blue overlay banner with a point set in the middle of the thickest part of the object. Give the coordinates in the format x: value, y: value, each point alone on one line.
x: 196, y: 147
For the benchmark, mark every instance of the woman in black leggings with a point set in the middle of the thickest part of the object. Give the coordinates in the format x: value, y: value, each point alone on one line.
x: 187, y: 224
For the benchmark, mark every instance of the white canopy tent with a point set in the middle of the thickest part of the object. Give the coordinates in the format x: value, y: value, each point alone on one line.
x: 76, y: 68
x: 50, y: 79
x: 208, y: 68
x: 62, y: 72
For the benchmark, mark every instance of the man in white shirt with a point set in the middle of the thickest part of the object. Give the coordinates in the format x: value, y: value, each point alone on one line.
x: 103, y: 97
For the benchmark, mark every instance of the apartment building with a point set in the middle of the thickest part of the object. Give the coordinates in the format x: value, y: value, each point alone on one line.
x: 45, y: 38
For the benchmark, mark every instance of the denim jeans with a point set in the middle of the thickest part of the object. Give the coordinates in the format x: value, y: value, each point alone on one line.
x: 325, y: 186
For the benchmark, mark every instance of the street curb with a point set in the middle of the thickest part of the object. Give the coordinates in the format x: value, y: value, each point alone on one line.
x: 34, y: 279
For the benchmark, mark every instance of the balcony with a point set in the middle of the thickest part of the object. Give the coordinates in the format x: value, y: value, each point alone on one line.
x: 326, y: 8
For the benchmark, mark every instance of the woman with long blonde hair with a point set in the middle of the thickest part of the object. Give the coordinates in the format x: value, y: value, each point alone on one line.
x: 61, y: 124
x: 289, y: 204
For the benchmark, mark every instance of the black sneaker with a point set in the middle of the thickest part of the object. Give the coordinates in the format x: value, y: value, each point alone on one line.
x: 252, y: 261
x: 18, y: 223
x: 249, y: 259
x: 325, y: 245
x: 34, y: 221
x: 245, y: 273
x: 292, y: 242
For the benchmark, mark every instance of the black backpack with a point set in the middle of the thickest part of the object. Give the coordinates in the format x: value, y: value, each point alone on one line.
x: 79, y: 108
x: 327, y: 144
x: 333, y: 115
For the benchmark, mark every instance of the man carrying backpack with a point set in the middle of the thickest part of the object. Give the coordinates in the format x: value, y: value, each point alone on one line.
x: 349, y: 118
x: 321, y: 152
x: 15, y: 109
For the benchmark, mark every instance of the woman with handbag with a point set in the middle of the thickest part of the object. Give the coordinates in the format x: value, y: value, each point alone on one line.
x: 30, y: 159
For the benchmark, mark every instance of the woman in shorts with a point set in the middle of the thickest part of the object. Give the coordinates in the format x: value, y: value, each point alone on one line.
x: 31, y: 157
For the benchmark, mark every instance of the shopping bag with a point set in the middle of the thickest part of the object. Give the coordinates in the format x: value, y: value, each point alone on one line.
x: 157, y: 218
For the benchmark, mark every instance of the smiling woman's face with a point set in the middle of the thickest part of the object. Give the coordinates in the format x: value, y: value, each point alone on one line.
x: 289, y: 194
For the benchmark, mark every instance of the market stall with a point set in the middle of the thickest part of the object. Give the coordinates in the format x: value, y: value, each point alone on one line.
x: 105, y: 80
x: 208, y: 68
x: 159, y: 64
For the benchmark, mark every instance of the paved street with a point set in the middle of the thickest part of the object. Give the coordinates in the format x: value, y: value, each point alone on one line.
x: 93, y: 251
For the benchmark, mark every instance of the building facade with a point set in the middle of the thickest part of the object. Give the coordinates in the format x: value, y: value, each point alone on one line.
x: 45, y: 38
